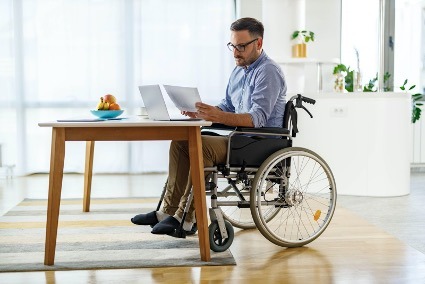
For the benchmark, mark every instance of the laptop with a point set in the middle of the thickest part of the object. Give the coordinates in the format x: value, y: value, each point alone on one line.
x: 156, y: 107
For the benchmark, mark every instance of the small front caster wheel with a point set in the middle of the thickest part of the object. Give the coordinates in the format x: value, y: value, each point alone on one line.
x: 217, y: 243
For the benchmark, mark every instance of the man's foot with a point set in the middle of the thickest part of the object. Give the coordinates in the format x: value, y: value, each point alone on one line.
x: 145, y: 219
x: 169, y: 225
x: 166, y: 226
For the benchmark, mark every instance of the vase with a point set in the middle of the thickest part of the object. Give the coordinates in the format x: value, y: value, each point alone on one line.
x: 299, y: 50
x: 339, y: 85
x: 357, y: 82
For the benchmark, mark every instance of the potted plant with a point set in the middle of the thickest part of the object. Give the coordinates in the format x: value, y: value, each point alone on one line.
x: 301, y: 37
x: 340, y: 71
x: 416, y: 102
x: 344, y: 80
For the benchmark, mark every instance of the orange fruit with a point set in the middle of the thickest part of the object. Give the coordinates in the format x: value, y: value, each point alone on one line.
x: 114, y: 106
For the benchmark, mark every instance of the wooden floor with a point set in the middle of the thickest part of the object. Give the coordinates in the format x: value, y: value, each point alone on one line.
x: 351, y: 250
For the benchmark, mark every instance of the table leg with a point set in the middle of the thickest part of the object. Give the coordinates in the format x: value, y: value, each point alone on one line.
x: 88, y: 171
x: 57, y: 157
x: 198, y: 181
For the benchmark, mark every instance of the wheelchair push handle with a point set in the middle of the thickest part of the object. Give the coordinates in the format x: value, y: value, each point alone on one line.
x: 308, y: 100
x: 299, y: 99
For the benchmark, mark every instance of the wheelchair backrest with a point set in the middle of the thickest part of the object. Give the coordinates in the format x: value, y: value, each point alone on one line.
x: 290, y: 115
x: 290, y: 118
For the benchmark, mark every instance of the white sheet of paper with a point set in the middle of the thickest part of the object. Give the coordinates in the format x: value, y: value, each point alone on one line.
x: 184, y: 98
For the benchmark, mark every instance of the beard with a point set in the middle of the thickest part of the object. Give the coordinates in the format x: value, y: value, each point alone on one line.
x: 240, y: 61
x: 246, y: 60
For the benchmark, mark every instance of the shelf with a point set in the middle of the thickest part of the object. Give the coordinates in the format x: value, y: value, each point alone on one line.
x: 308, y: 61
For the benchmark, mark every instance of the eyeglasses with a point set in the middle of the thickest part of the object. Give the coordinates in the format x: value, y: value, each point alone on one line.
x: 239, y: 47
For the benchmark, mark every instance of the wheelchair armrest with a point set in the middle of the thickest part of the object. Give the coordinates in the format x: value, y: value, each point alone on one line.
x: 217, y: 129
x: 267, y: 130
x: 219, y: 126
x: 274, y: 130
x: 259, y: 130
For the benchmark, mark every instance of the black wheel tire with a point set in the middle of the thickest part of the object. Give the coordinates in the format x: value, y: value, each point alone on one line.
x: 217, y: 243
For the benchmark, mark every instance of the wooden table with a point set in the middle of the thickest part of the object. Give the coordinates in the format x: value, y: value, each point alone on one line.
x: 133, y: 129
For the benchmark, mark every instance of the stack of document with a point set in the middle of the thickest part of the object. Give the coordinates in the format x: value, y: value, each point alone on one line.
x: 183, y: 98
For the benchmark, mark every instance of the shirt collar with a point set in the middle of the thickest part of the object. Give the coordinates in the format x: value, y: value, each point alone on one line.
x: 256, y: 62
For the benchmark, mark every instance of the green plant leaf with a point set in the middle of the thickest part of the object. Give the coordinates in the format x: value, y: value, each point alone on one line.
x: 339, y: 68
x: 295, y: 35
x: 387, y: 75
x: 370, y: 87
x: 416, y: 114
x: 306, y: 36
x: 349, y: 79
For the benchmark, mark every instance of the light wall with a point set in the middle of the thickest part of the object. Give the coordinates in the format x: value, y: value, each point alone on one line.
x: 322, y: 17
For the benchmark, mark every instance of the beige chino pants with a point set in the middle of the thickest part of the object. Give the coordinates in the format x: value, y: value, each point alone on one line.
x: 214, y: 150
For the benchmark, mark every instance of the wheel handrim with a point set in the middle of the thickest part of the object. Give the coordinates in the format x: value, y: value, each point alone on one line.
x: 306, y: 209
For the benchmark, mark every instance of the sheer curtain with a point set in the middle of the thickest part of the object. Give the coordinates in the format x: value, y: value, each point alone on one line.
x: 58, y: 57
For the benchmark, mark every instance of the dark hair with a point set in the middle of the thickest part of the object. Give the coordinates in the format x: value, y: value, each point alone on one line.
x: 253, y: 26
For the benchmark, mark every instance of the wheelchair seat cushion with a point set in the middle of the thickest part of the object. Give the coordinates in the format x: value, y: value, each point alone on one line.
x: 252, y: 150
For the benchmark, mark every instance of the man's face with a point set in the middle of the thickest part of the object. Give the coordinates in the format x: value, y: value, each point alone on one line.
x: 252, y: 50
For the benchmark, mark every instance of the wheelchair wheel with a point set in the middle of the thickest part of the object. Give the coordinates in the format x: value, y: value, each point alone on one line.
x: 233, y: 208
x: 296, y: 186
x: 217, y: 243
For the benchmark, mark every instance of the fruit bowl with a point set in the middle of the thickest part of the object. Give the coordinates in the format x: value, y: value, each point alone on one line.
x: 107, y: 113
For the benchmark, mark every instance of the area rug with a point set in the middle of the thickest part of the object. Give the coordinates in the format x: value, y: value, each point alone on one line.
x: 101, y: 239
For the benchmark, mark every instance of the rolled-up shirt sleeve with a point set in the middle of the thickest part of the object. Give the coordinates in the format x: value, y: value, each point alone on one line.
x: 225, y: 106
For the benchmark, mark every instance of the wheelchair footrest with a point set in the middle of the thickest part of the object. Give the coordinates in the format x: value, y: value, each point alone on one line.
x: 178, y: 233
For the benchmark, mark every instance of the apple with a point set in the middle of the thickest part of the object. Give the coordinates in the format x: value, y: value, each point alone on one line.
x: 108, y: 98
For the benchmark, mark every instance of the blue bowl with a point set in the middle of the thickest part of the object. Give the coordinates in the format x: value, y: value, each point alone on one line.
x: 107, y: 113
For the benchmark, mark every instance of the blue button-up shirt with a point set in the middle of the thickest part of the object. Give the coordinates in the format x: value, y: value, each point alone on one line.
x: 259, y: 90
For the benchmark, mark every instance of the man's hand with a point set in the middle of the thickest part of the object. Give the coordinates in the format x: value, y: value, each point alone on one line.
x: 208, y: 112
x: 214, y: 114
x: 190, y: 114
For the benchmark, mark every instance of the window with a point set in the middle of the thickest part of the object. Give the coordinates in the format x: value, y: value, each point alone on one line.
x: 58, y: 57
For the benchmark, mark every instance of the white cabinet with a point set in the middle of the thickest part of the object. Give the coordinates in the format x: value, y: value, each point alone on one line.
x: 364, y: 137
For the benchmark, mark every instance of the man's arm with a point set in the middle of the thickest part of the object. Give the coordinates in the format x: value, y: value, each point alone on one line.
x: 215, y: 114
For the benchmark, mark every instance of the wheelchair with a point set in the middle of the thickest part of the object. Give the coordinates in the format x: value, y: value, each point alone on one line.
x: 288, y: 193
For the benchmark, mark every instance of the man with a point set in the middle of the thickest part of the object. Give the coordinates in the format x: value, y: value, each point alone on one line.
x: 255, y: 97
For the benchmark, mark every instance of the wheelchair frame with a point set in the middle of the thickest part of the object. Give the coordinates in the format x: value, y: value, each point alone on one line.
x: 277, y: 200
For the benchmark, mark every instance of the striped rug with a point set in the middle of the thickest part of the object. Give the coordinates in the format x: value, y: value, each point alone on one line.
x: 101, y: 239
